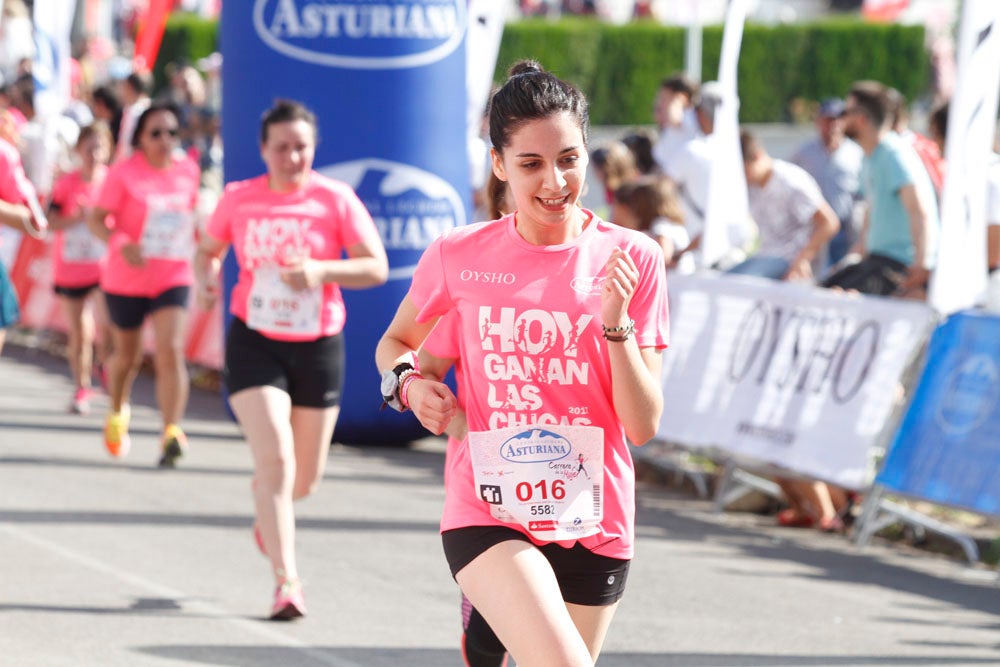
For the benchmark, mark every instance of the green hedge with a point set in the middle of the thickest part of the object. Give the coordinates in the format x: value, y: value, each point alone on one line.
x: 187, y: 38
x: 620, y: 67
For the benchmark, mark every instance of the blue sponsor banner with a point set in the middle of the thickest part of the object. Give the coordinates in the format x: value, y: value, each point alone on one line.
x: 947, y: 449
x: 386, y: 79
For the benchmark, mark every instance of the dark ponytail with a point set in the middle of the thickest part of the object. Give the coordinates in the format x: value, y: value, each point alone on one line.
x: 531, y: 93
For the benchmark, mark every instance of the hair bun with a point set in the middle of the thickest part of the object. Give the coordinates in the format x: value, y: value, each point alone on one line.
x: 525, y: 67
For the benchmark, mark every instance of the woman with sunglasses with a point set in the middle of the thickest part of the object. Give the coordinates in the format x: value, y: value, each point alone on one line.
x: 145, y: 212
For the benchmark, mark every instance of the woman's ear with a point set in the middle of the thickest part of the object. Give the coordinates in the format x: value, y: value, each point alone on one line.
x: 497, y: 162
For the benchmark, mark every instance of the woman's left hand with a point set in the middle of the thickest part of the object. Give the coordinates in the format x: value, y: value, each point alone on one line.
x: 303, y: 274
x: 620, y: 280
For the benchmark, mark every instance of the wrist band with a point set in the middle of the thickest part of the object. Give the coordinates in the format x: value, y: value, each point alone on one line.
x: 404, y: 385
x: 619, y: 334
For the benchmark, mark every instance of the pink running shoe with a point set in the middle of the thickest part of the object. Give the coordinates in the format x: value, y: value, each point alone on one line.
x: 289, y: 602
x: 102, y: 377
x: 81, y: 402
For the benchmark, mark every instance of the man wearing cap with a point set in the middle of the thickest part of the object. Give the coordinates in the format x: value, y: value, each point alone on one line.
x: 835, y: 162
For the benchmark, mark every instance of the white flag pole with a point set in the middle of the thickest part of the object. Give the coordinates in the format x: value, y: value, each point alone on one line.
x: 959, y: 278
x: 727, y: 206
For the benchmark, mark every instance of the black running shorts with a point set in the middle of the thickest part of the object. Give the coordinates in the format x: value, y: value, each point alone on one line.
x: 74, y: 292
x: 129, y: 312
x: 311, y: 372
x: 585, y: 578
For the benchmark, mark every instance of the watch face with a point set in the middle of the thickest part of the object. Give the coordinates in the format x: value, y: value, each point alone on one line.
x: 389, y: 384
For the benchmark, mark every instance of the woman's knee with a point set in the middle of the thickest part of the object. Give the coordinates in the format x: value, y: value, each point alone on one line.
x: 274, y: 473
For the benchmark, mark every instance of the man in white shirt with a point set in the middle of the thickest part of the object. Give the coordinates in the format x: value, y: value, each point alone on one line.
x: 794, y: 222
x: 675, y: 118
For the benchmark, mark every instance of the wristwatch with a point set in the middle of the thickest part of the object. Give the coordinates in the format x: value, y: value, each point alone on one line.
x: 390, y: 386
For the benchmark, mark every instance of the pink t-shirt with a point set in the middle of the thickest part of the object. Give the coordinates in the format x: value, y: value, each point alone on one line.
x: 15, y: 188
x: 154, y: 207
x: 268, y: 229
x: 443, y: 342
x: 530, y: 328
x: 76, y: 253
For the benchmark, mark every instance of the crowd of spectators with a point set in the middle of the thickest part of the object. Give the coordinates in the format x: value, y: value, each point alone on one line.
x: 854, y: 208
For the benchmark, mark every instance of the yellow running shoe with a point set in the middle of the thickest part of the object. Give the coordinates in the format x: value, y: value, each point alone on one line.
x: 174, y: 446
x: 116, y: 439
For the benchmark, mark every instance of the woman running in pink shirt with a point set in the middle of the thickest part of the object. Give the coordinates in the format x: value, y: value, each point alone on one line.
x: 76, y: 258
x: 290, y: 229
x: 145, y: 213
x: 562, y: 318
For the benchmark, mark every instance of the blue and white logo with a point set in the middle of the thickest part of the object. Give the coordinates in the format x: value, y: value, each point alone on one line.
x: 362, y: 34
x: 969, y: 396
x: 411, y: 207
x: 535, y: 446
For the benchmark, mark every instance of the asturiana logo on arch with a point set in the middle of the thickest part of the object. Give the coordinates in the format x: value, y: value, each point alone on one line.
x: 410, y: 206
x: 362, y: 34
x: 534, y: 446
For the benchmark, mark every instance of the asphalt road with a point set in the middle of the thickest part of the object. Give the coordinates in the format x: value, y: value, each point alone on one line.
x: 115, y: 563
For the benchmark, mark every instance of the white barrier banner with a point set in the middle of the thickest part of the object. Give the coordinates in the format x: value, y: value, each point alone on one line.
x: 786, y: 374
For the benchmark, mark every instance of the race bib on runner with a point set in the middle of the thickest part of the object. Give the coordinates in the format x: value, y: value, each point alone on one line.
x: 80, y: 246
x: 168, y: 234
x: 275, y: 307
x: 548, y: 478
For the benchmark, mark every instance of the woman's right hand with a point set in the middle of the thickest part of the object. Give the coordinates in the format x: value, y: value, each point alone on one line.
x: 132, y: 252
x: 433, y: 403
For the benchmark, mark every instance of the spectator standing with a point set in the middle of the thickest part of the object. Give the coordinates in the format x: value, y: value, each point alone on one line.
x: 925, y: 148
x: 898, y: 242
x: 835, y: 162
x: 794, y: 222
x: 134, y: 92
x: 675, y: 117
x: 691, y: 172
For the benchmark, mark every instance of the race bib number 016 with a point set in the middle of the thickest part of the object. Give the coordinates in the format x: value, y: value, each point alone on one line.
x: 547, y: 478
x: 277, y: 308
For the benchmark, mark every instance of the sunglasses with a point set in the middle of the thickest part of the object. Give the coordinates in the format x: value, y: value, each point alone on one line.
x: 157, y: 133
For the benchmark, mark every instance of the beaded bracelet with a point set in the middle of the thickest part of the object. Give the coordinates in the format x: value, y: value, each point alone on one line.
x: 404, y: 385
x: 619, y: 334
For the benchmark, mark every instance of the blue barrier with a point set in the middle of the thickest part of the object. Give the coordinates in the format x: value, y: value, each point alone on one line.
x: 387, y: 82
x: 947, y: 449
